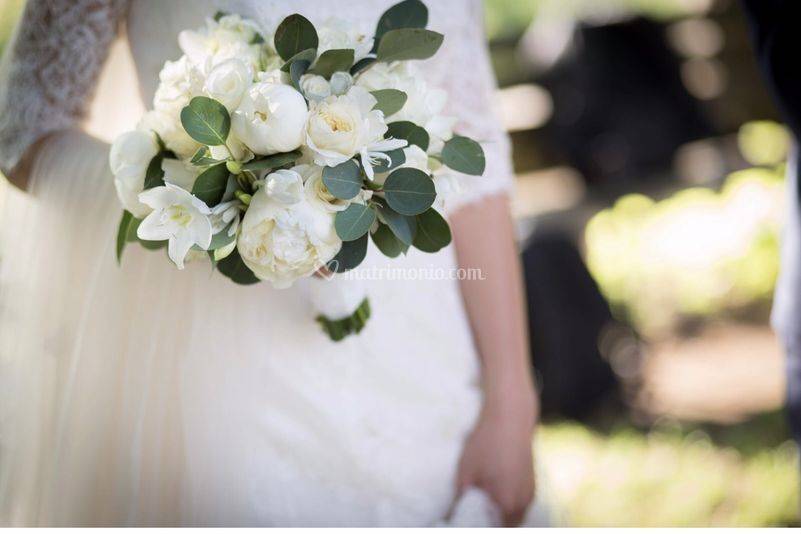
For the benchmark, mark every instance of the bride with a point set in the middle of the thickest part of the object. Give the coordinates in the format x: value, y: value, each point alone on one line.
x: 140, y: 395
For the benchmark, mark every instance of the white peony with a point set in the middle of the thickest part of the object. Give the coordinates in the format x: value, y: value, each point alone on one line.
x: 314, y: 87
x: 424, y: 105
x: 283, y: 243
x: 179, y: 173
x: 228, y: 81
x: 230, y: 37
x: 270, y: 119
x: 337, y: 34
x: 179, y: 82
x: 316, y: 192
x: 177, y: 216
x: 341, y: 127
x: 284, y: 186
x: 129, y: 159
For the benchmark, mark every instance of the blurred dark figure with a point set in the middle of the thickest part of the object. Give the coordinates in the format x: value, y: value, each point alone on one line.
x: 620, y: 107
x: 567, y: 314
x: 775, y: 28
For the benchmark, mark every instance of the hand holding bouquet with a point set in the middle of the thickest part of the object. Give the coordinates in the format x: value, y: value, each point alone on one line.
x: 275, y: 155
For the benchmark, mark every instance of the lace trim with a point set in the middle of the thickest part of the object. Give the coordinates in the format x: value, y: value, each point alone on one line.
x: 50, y: 69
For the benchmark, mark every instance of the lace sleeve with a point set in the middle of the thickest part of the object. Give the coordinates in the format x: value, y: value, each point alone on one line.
x: 463, y: 68
x: 50, y: 67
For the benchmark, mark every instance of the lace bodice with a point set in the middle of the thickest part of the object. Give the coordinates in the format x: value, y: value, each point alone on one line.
x: 55, y: 57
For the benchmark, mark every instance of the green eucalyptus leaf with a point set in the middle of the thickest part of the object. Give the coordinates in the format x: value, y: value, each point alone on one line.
x: 307, y: 55
x: 409, y: 43
x: 349, y: 256
x: 387, y: 243
x: 234, y: 268
x: 332, y: 61
x: 414, y: 134
x: 361, y: 65
x: 210, y: 185
x: 409, y: 191
x: 433, y: 232
x: 293, y: 35
x: 272, y: 162
x: 390, y: 101
x: 203, y: 157
x: 154, y: 176
x: 464, y: 155
x: 122, y: 233
x: 354, y: 222
x: 403, y: 226
x: 296, y: 70
x: 397, y: 158
x: 206, y: 121
x: 343, y: 181
x: 406, y: 14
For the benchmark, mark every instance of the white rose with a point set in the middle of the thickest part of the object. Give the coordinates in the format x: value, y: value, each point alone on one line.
x: 336, y: 34
x: 270, y: 119
x: 339, y: 127
x: 283, y: 243
x: 179, y: 81
x: 424, y: 105
x: 315, y: 87
x: 228, y: 81
x: 284, y: 186
x: 178, y: 173
x: 230, y: 37
x: 129, y: 158
x: 316, y: 192
x: 341, y: 82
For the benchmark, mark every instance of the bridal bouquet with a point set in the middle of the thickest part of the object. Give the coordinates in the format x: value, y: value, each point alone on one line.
x: 276, y: 155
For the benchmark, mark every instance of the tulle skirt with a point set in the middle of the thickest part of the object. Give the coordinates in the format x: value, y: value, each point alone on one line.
x: 143, y: 395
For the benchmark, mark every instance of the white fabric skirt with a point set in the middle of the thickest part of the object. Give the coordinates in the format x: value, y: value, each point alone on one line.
x: 143, y: 395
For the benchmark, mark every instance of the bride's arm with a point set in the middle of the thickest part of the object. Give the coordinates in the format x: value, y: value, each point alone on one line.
x: 48, y: 73
x: 497, y: 456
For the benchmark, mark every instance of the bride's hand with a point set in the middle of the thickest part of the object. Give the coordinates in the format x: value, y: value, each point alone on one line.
x: 497, y: 457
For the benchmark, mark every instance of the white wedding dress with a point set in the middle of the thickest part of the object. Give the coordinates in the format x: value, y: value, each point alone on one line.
x: 141, y: 395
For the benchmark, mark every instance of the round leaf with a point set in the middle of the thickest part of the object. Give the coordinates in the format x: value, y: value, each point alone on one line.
x: 464, y: 155
x: 409, y: 191
x: 402, y: 226
x: 390, y: 101
x: 332, y: 61
x: 433, y: 232
x: 307, y: 55
x: 409, y: 43
x: 406, y: 14
x: 349, y: 256
x: 354, y: 222
x: 210, y: 185
x: 293, y: 35
x: 343, y: 181
x: 387, y: 243
x: 206, y: 121
x: 234, y: 268
x: 414, y: 134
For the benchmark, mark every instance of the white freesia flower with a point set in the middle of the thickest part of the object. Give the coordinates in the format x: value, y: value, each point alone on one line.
x: 228, y: 81
x: 315, y: 87
x: 341, y: 82
x: 224, y: 214
x: 129, y: 159
x: 178, y: 217
x: 424, y: 105
x: 270, y: 119
x: 179, y: 173
x: 283, y: 243
x: 284, y: 186
x: 335, y: 34
x: 341, y: 127
x: 315, y: 190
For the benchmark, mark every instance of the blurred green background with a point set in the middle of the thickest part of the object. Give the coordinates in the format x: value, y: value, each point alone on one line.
x: 644, y: 138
